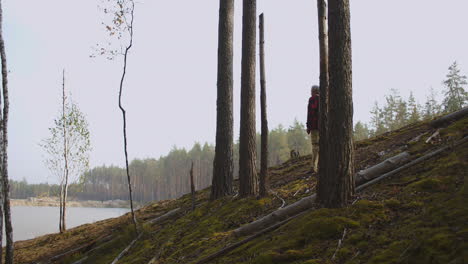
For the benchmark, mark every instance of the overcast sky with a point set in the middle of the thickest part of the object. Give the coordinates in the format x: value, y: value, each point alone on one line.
x: 170, y: 92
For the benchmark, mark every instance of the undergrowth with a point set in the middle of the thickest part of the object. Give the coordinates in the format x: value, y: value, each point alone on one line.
x: 418, y: 216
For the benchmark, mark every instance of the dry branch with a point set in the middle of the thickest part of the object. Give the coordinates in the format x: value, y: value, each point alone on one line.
x: 126, y: 249
x: 283, y: 202
x: 250, y: 238
x: 429, y: 139
x: 340, y: 242
x: 81, y: 260
x: 79, y: 249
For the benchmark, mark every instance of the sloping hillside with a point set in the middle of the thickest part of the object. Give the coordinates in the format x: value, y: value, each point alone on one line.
x: 418, y: 216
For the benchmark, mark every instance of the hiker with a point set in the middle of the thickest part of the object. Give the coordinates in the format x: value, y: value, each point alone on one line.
x: 312, y: 125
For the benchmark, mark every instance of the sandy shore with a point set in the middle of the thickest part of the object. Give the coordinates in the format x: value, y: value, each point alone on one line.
x: 71, y: 203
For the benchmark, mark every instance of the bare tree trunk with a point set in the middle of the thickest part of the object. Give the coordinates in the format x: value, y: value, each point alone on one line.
x: 6, y: 183
x: 264, y: 144
x: 323, y: 103
x: 192, y: 187
x: 337, y: 185
x: 125, y: 119
x: 223, y: 161
x: 248, y: 178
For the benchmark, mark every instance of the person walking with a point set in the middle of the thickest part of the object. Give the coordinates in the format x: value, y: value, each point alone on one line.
x: 312, y: 125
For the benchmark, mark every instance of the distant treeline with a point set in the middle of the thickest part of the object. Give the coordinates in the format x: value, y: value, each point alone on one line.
x: 168, y: 176
x: 397, y: 112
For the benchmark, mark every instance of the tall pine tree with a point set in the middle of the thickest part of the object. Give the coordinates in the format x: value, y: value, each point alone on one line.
x: 455, y: 95
x: 248, y: 178
x: 223, y: 161
x: 337, y: 186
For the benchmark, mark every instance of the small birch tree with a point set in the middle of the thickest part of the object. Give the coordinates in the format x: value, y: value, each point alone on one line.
x: 67, y: 149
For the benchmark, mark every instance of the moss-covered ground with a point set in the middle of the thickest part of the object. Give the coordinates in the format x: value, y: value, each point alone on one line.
x: 418, y: 216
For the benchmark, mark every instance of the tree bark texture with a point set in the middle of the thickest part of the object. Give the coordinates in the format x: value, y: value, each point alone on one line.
x: 323, y: 98
x: 223, y: 165
x: 263, y: 104
x: 337, y: 185
x: 248, y: 179
x: 5, y: 180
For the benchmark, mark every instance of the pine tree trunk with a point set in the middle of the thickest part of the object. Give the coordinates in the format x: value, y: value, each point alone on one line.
x: 192, y: 187
x: 223, y: 161
x: 4, y: 145
x: 323, y: 104
x: 337, y: 185
x: 248, y: 179
x: 264, y: 144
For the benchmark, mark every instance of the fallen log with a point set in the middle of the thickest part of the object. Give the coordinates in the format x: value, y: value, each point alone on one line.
x: 278, y: 215
x: 164, y: 216
x: 102, y: 243
x: 307, y: 202
x: 68, y: 253
x: 126, y: 249
x: 76, y: 250
x: 381, y: 168
x: 412, y: 163
x: 445, y: 120
x: 361, y: 187
x: 227, y: 249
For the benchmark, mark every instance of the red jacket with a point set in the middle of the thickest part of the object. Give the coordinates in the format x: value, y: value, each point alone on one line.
x: 313, y: 113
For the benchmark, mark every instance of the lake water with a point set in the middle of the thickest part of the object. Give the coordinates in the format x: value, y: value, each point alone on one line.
x: 31, y: 221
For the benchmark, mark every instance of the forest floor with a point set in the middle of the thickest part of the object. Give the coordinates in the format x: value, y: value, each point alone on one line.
x: 417, y: 216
